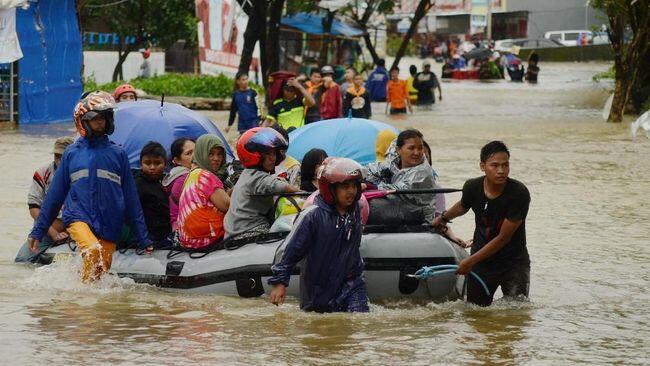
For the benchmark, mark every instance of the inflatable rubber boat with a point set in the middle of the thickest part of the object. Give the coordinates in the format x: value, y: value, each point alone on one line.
x: 391, y: 257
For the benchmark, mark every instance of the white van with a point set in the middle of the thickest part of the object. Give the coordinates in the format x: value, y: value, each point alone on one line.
x: 569, y: 37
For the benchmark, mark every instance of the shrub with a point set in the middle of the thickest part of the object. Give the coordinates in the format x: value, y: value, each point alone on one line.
x: 173, y: 84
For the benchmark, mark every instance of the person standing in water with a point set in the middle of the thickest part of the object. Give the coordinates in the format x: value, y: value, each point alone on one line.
x: 96, y: 185
x: 500, y: 205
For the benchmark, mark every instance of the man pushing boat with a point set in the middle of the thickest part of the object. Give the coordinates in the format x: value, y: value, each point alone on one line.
x: 95, y: 182
x: 500, y: 206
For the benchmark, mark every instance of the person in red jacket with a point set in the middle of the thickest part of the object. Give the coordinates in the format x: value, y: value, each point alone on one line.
x: 331, y: 105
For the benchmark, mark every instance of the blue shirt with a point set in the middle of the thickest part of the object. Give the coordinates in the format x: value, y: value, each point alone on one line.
x: 243, y: 102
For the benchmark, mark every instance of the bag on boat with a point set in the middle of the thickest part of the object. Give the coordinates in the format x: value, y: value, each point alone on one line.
x: 394, y: 211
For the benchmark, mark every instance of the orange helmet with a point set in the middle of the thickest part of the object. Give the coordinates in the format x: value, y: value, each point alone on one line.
x: 124, y: 88
x: 93, y: 104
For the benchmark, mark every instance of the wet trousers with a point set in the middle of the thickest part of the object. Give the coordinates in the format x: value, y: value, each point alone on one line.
x: 514, y: 282
x: 97, y: 254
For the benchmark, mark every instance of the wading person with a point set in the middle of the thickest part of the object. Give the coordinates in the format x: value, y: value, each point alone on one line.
x: 500, y: 205
x: 289, y: 112
x: 40, y: 185
x: 125, y: 93
x: 96, y: 184
x: 244, y: 104
x: 326, y: 239
x: 425, y: 82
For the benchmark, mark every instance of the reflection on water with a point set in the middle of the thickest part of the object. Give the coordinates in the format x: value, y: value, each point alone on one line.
x: 587, y: 234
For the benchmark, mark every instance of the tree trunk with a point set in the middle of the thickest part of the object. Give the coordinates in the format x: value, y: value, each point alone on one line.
x: 273, y: 40
x: 250, y: 38
x: 371, y: 47
x: 327, y: 30
x: 262, y: 10
x: 118, y: 73
x: 616, y: 31
x: 423, y: 8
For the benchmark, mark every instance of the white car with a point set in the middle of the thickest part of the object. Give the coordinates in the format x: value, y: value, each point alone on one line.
x: 569, y: 37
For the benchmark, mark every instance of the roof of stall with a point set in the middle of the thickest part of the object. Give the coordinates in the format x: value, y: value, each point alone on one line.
x: 313, y: 24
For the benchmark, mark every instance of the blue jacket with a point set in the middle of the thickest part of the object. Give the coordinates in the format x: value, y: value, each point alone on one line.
x: 95, y: 186
x: 376, y: 84
x: 329, y: 244
x: 244, y: 103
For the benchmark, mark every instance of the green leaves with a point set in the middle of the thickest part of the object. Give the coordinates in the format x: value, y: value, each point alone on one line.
x: 186, y: 85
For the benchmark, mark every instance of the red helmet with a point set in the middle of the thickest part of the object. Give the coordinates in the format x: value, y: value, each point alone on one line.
x: 95, y: 103
x: 124, y: 88
x: 256, y: 141
x: 338, y: 170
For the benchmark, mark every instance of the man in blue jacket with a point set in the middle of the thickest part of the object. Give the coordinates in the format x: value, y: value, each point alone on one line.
x: 95, y: 186
x: 327, y: 236
x: 377, y: 82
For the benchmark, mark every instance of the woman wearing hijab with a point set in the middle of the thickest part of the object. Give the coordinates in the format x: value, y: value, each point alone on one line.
x: 204, y: 201
x: 310, y: 164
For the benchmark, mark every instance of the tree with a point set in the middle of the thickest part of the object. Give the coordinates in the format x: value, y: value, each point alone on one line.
x: 628, y: 17
x: 152, y: 22
x: 423, y: 8
x: 361, y: 12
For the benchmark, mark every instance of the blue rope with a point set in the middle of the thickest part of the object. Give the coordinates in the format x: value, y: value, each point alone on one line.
x: 428, y: 272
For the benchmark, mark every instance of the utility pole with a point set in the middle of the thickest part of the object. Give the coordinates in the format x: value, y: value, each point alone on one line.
x: 488, y: 20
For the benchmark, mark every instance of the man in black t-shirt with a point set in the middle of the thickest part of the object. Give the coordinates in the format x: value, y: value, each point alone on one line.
x: 500, y: 205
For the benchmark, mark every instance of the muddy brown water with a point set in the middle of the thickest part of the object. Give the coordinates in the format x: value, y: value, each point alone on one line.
x: 588, y: 234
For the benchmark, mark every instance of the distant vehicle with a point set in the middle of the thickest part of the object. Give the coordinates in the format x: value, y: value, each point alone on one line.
x: 570, y: 37
x: 504, y: 45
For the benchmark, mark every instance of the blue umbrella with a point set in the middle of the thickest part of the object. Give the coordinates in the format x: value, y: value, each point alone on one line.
x: 352, y: 138
x: 137, y: 123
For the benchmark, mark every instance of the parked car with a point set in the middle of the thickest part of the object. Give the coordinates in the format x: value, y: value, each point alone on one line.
x: 569, y: 37
x: 504, y: 45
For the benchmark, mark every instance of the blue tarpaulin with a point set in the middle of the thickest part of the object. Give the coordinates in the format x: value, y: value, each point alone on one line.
x: 313, y: 24
x: 50, y: 71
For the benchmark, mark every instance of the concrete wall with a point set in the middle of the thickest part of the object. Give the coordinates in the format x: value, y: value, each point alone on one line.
x: 601, y: 52
x: 551, y: 15
x: 100, y: 65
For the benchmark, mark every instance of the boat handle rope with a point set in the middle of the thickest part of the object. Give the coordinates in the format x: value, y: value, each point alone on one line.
x: 428, y: 272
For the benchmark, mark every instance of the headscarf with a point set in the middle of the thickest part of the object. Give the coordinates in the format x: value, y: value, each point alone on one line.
x: 312, y: 158
x: 202, y: 149
x: 382, y: 143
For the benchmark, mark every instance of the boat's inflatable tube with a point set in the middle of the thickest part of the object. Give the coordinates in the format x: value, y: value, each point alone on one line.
x: 389, y: 258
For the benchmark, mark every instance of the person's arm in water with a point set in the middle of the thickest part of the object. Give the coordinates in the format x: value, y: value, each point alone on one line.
x: 309, y: 100
x: 52, y: 204
x: 298, y: 243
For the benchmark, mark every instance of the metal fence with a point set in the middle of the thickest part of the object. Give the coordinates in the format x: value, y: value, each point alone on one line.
x: 9, y: 92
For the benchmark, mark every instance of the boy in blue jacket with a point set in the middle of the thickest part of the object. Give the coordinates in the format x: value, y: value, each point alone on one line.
x: 96, y: 189
x: 327, y: 235
x: 377, y: 82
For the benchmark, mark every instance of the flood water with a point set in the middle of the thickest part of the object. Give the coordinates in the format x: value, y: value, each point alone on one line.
x: 588, y: 234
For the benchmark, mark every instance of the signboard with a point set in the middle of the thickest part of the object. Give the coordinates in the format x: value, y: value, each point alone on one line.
x: 221, y: 29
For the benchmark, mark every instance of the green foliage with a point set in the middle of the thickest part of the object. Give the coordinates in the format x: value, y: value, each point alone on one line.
x: 160, y: 22
x: 186, y: 85
x: 394, y: 42
x: 609, y: 74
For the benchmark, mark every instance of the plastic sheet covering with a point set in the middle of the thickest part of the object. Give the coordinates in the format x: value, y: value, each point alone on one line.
x: 313, y: 24
x: 50, y: 71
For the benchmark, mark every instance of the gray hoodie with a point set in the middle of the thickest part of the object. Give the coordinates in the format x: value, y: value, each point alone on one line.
x: 247, y: 212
